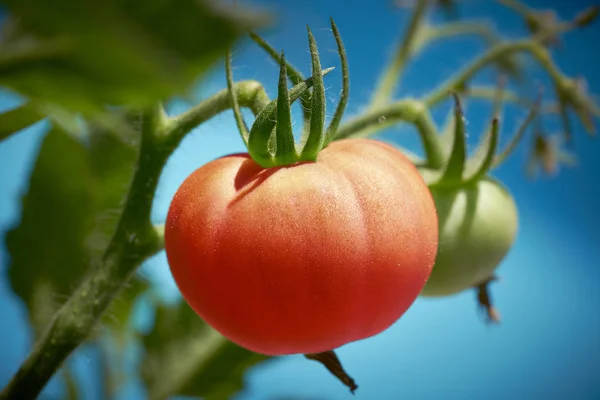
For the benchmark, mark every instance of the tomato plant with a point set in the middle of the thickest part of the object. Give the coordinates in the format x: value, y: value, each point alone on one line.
x: 288, y: 248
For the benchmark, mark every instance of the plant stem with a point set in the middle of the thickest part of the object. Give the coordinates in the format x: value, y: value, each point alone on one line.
x: 411, y: 111
x: 457, y: 28
x: 388, y: 80
x: 533, y: 112
x: 493, y: 54
x: 250, y: 94
x: 135, y: 240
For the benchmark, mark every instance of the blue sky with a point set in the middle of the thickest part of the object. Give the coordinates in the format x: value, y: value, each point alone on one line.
x: 547, y: 345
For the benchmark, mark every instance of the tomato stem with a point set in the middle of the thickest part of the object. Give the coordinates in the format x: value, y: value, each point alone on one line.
x: 250, y: 94
x: 410, y: 111
x: 134, y: 241
x: 533, y: 112
x: 495, y: 54
x: 484, y: 300
x: 331, y: 361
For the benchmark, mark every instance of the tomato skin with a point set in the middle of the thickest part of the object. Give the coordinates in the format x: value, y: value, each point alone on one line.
x: 303, y: 258
x: 477, y: 227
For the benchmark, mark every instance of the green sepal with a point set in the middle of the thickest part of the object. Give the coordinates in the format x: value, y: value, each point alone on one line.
x: 488, y: 160
x: 294, y: 75
x: 285, y: 152
x: 237, y: 112
x: 341, y: 107
x: 456, y: 164
x: 315, y: 140
x: 261, y: 130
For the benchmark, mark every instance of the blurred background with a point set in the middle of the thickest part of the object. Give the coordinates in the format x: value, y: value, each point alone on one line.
x: 547, y: 345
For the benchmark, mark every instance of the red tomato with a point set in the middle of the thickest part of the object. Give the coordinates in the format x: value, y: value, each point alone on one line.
x: 307, y: 257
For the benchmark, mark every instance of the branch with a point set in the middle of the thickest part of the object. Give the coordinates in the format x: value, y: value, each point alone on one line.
x: 495, y: 53
x: 411, y: 111
x: 135, y: 240
x: 457, y: 28
x: 388, y: 80
x: 250, y: 94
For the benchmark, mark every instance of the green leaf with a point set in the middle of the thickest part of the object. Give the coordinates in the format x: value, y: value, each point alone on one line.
x: 48, y: 254
x: 70, y: 212
x: 185, y: 356
x: 17, y: 119
x: 84, y: 54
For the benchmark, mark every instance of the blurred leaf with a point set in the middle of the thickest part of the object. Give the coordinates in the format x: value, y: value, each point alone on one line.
x: 74, y: 200
x: 184, y: 356
x: 84, y: 54
x: 112, y: 158
x: 118, y: 335
x: 18, y: 118
x: 47, y: 250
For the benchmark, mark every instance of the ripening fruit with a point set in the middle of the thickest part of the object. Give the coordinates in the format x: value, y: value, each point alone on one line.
x: 477, y: 228
x: 303, y: 258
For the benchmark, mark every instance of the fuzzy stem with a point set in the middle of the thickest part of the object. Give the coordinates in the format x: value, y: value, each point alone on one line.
x: 135, y: 240
x: 486, y: 92
x: 411, y: 111
x: 493, y: 54
x: 388, y: 80
x: 250, y: 94
x: 458, y: 28
x: 533, y: 112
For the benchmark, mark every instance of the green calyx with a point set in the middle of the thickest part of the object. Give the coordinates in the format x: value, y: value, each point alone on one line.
x: 270, y: 140
x: 461, y: 171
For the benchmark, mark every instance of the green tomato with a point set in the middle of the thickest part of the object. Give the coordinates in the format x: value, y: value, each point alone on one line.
x: 477, y: 227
